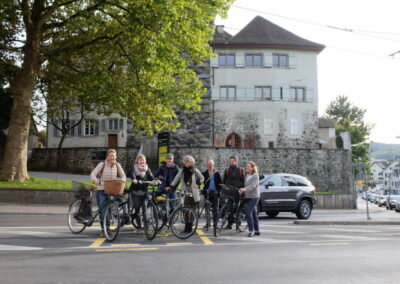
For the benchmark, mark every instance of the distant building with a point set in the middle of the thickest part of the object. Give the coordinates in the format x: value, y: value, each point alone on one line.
x: 377, y: 169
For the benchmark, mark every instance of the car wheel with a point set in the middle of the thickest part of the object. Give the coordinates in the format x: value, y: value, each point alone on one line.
x: 304, y: 210
x: 272, y: 214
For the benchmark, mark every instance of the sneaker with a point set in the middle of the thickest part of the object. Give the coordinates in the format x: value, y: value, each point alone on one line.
x: 257, y: 233
x: 251, y: 234
x: 206, y: 226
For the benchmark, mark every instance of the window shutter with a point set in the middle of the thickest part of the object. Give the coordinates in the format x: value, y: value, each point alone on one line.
x: 214, y: 61
x: 309, y: 95
x: 267, y: 59
x: 239, y: 59
x: 241, y: 93
x: 215, y: 93
x: 103, y: 125
x: 55, y: 130
x: 250, y: 93
x: 80, y: 128
x: 72, y: 129
x: 286, y: 94
x: 276, y: 93
x: 96, y: 127
x: 121, y: 124
x: 292, y: 61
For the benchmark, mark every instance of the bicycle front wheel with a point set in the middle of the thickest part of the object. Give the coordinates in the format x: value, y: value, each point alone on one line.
x: 150, y: 220
x: 75, y: 225
x: 222, y: 219
x: 184, y: 222
x: 111, y: 222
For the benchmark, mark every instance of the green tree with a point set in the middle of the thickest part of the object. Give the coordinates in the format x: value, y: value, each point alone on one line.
x: 349, y: 117
x: 129, y: 56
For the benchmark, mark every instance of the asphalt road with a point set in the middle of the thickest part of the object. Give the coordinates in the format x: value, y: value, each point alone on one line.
x: 40, y: 249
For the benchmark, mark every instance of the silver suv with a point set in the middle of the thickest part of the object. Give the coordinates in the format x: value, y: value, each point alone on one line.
x: 286, y: 193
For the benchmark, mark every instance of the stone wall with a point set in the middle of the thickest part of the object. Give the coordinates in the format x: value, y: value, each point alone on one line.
x: 77, y: 160
x: 329, y: 170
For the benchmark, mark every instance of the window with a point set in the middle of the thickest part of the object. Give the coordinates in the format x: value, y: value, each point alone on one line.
x: 115, y: 124
x: 227, y: 93
x: 233, y: 141
x: 263, y: 93
x: 301, y: 181
x: 271, y: 145
x: 294, y: 128
x: 253, y: 60
x: 226, y: 60
x: 91, y: 127
x: 289, y: 181
x: 297, y: 94
x: 274, y: 181
x: 268, y: 126
x: 280, y: 60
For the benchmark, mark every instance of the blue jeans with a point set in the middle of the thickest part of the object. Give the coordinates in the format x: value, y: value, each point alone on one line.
x: 101, y: 198
x: 250, y: 209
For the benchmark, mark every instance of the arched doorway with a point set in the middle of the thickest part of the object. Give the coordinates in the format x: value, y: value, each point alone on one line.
x: 233, y: 141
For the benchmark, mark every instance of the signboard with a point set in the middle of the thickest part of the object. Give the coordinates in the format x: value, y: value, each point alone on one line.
x: 163, y: 146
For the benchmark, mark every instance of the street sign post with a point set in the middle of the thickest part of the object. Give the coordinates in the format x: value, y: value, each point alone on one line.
x: 163, y: 146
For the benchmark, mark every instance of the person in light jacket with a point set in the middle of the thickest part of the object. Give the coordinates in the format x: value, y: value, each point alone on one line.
x: 109, y: 169
x: 252, y: 194
x: 189, y: 177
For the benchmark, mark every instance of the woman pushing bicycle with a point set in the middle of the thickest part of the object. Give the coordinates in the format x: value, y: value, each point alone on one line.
x: 109, y: 169
x: 188, y: 177
x: 140, y: 172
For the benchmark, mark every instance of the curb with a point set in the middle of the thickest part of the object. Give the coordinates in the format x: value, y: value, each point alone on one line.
x: 331, y: 223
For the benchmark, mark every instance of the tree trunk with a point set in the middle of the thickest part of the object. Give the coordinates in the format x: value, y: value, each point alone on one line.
x: 22, y: 88
x: 59, y: 152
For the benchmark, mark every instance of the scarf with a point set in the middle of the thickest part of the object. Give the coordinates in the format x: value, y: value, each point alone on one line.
x: 140, y: 171
x: 187, y: 175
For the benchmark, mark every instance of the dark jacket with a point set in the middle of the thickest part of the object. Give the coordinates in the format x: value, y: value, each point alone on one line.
x: 140, y: 187
x: 217, y: 180
x: 234, y: 176
x: 167, y: 174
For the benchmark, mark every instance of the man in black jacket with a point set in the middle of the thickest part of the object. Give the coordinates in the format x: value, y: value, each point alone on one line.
x: 233, y: 176
x: 212, y: 187
x: 167, y: 172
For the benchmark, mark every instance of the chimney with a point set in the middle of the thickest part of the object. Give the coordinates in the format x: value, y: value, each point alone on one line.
x: 220, y: 29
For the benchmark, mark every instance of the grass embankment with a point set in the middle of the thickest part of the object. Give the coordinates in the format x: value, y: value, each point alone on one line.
x: 42, y: 183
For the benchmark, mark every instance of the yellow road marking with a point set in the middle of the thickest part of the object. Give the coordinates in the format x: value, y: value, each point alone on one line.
x: 124, y: 245
x: 205, y: 240
x: 178, y: 244
x: 127, y: 249
x: 329, y: 244
x: 97, y: 242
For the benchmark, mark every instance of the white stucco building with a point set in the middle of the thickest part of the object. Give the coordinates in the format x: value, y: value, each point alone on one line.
x: 94, y: 131
x: 264, y: 86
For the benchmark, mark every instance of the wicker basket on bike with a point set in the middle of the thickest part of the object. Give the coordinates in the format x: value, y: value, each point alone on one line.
x: 229, y: 191
x: 114, y: 186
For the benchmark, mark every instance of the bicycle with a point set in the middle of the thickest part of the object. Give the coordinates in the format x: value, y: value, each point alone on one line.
x: 206, y: 209
x: 77, y: 224
x: 228, y: 196
x: 178, y: 221
x: 146, y: 212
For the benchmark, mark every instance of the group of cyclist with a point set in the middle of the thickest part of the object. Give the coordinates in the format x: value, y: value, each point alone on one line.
x: 169, y: 177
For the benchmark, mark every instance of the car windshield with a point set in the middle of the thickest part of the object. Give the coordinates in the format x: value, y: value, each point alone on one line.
x: 264, y: 179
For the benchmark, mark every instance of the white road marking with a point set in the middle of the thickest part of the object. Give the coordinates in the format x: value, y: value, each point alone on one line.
x: 19, y: 248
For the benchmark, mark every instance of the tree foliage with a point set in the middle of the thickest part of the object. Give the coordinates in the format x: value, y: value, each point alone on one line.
x: 351, y: 118
x: 123, y: 56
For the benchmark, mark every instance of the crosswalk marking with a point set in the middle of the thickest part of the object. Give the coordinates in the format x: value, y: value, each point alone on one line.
x: 98, y: 242
x: 203, y: 237
x: 10, y: 248
x: 127, y: 249
x: 329, y: 244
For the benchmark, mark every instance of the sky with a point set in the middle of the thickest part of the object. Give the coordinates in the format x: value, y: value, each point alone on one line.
x: 354, y: 63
